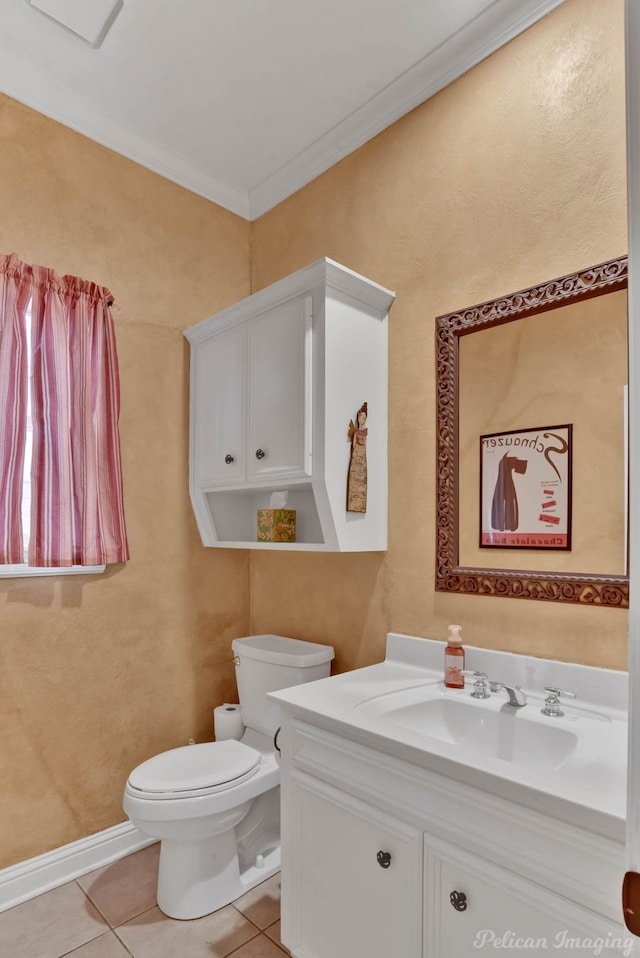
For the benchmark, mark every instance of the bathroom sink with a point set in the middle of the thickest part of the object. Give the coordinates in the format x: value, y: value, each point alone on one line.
x: 488, y: 729
x: 573, y: 766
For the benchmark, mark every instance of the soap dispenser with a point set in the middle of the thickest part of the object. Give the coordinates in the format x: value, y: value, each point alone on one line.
x: 454, y: 659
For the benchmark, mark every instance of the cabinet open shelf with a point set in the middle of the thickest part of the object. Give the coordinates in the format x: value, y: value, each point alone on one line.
x: 234, y: 516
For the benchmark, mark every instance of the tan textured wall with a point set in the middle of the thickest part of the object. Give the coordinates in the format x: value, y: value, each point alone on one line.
x: 511, y: 176
x: 98, y: 673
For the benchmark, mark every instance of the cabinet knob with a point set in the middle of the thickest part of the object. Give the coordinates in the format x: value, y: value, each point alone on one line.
x: 229, y: 459
x: 383, y: 859
x: 459, y: 900
x: 260, y: 453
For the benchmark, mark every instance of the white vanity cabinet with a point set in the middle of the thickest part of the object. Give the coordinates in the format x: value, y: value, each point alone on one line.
x: 275, y: 380
x: 466, y: 873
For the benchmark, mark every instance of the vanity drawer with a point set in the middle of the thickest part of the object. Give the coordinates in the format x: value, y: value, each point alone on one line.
x: 355, y: 768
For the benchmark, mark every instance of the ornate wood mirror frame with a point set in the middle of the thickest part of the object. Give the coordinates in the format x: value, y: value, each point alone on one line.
x: 587, y: 589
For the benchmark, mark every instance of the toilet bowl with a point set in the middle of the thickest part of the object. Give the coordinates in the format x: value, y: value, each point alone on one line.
x: 215, y: 807
x: 192, y: 799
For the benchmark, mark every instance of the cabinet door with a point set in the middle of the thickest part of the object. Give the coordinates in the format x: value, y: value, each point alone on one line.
x: 218, y: 397
x: 338, y: 900
x: 279, y: 433
x: 474, y: 906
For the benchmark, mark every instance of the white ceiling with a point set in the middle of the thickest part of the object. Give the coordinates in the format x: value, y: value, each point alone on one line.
x: 245, y: 101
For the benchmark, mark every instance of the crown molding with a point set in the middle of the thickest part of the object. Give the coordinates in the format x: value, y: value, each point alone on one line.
x: 22, y: 82
x: 499, y: 23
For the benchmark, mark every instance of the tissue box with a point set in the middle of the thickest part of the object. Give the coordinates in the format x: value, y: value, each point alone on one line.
x: 276, y: 525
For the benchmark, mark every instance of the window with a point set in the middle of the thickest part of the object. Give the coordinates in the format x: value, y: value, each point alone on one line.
x: 60, y: 390
x: 14, y: 571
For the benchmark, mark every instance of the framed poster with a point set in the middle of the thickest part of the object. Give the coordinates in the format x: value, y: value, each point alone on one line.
x: 525, y: 489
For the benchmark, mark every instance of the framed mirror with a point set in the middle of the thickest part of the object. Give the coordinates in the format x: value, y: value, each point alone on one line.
x: 508, y: 371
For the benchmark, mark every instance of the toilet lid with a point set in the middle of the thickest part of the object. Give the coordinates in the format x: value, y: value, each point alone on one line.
x: 194, y: 767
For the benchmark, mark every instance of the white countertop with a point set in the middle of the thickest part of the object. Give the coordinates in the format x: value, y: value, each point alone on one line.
x: 588, y: 791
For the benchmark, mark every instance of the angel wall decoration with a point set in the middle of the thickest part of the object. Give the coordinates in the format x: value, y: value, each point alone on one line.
x: 357, y: 476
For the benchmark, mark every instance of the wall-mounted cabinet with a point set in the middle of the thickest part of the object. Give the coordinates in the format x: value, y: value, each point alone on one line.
x: 275, y: 380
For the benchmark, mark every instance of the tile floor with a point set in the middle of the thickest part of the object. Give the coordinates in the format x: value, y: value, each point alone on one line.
x: 112, y: 913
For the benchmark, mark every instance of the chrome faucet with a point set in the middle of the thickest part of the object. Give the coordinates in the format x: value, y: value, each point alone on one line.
x: 517, y: 698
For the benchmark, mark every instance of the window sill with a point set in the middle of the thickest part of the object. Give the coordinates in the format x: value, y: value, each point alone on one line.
x: 23, y: 570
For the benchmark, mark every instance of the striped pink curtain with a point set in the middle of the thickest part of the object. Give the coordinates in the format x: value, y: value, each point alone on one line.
x: 15, y: 289
x: 77, y: 509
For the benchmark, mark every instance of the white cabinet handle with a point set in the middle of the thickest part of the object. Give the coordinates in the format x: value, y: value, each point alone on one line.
x: 260, y: 453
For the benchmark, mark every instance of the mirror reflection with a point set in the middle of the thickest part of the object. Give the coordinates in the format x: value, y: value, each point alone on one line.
x: 568, y: 365
x: 554, y: 354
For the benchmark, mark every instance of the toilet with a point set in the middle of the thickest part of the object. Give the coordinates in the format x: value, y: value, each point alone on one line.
x: 215, y: 807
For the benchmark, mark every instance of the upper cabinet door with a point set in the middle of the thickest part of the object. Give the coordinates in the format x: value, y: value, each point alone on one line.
x: 219, y: 391
x: 279, y: 413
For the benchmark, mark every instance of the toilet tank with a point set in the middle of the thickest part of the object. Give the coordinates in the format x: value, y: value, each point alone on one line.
x: 267, y: 663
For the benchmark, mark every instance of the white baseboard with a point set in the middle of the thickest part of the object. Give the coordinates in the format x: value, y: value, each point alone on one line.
x: 36, y: 875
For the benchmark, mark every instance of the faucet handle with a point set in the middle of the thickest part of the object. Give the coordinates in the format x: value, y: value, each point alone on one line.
x: 480, y: 690
x: 554, y: 691
x: 552, y: 701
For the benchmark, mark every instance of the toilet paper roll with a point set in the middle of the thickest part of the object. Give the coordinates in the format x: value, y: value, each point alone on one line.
x: 227, y: 722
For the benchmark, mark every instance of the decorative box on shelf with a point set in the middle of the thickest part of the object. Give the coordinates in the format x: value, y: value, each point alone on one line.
x: 276, y: 525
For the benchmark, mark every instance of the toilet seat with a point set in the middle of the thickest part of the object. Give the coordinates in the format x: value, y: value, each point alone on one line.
x: 195, y: 770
